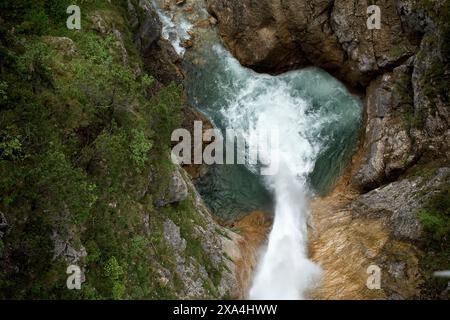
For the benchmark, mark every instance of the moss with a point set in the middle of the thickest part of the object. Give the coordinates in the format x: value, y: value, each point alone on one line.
x: 435, y: 219
x: 396, y: 52
x: 435, y: 216
x: 413, y: 120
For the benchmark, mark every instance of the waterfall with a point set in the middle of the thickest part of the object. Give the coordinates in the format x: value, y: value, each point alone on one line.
x: 263, y: 103
x: 317, y: 122
x: 285, y: 272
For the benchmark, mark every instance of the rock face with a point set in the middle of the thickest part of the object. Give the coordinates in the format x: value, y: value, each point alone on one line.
x: 185, y: 269
x: 176, y: 191
x: 388, y: 144
x: 160, y: 59
x: 371, y: 50
x: 353, y: 232
x: 403, y: 70
x: 397, y: 204
x: 275, y: 36
x: 217, y: 243
x: 145, y: 24
x: 407, y: 117
x: 394, y: 64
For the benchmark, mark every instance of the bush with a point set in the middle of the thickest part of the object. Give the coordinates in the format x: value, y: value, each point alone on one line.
x: 435, y: 217
x: 140, y: 148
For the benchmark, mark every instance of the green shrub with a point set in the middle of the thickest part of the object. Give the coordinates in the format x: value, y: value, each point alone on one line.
x: 35, y: 21
x: 435, y: 217
x: 80, y: 135
x: 140, y: 147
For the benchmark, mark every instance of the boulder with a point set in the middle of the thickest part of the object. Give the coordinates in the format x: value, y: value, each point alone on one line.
x: 176, y: 191
x: 191, y: 115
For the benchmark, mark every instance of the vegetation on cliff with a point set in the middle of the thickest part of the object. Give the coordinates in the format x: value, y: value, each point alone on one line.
x: 84, y: 157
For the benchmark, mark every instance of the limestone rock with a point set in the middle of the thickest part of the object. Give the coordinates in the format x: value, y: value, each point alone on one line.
x: 65, y: 249
x: 160, y: 59
x: 397, y: 204
x: 271, y: 36
x: 388, y: 147
x: 371, y: 50
x: 173, y: 237
x: 177, y: 190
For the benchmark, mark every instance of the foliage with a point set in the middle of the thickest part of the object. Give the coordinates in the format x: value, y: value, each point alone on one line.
x: 140, y: 148
x: 435, y: 219
x: 84, y: 151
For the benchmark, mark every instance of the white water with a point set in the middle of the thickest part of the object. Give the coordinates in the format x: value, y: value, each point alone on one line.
x: 284, y: 271
x: 175, y: 29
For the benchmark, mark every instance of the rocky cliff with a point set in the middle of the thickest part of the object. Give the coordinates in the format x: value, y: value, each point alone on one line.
x: 401, y: 168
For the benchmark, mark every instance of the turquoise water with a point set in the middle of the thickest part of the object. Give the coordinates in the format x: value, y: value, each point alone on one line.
x: 323, y: 119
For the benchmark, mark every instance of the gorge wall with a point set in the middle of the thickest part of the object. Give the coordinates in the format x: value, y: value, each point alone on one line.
x: 85, y: 171
x: 378, y: 213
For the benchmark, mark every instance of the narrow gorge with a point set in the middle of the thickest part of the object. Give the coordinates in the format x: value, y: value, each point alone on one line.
x: 320, y: 124
x: 362, y: 150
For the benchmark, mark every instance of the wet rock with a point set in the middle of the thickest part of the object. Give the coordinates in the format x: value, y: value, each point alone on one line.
x: 348, y: 237
x: 187, y: 44
x: 190, y: 116
x: 256, y: 33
